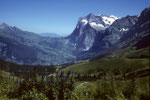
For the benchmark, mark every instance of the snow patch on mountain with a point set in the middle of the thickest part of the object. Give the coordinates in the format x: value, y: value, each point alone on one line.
x: 13, y: 57
x: 86, y: 49
x: 114, y: 17
x: 97, y: 26
x: 124, y: 29
x: 99, y: 22
x: 84, y: 21
x: 108, y: 20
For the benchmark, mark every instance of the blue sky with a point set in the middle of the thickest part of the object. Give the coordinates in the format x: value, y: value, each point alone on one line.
x: 61, y: 16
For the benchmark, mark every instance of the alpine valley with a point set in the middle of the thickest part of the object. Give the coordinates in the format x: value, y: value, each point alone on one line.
x: 95, y: 36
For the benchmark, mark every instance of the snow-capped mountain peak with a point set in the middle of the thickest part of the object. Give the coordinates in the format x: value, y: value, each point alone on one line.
x: 87, y: 28
x: 99, y: 22
x: 115, y: 17
x: 108, y: 20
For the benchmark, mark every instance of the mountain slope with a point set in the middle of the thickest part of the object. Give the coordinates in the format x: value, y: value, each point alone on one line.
x: 29, y: 48
x: 113, y: 34
x: 134, y: 43
x: 138, y: 37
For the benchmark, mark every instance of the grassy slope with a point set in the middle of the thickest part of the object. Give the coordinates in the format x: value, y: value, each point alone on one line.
x: 131, y: 53
x: 109, y: 65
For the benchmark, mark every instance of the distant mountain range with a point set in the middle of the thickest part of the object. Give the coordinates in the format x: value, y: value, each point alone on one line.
x: 53, y: 35
x: 29, y: 48
x: 98, y: 36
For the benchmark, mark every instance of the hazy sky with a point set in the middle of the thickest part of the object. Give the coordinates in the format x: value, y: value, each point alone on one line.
x: 61, y: 16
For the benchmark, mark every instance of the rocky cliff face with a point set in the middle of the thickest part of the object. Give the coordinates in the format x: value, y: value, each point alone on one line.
x: 136, y: 39
x: 114, y: 33
x: 87, y: 30
x: 139, y: 32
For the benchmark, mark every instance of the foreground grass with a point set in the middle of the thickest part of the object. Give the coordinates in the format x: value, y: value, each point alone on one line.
x: 102, y: 89
x: 5, y: 86
x: 64, y: 87
x: 114, y: 90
